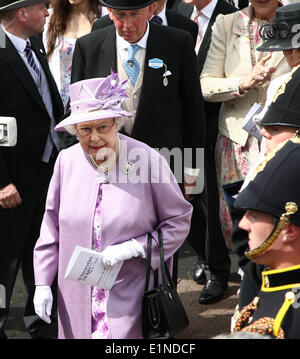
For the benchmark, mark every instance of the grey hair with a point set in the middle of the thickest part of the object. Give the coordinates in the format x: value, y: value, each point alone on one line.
x: 120, y: 121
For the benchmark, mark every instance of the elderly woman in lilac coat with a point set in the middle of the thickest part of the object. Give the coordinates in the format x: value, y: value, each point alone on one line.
x: 107, y: 192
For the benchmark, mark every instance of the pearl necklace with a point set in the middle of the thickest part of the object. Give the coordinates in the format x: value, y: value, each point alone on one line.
x: 107, y: 165
x: 250, y: 33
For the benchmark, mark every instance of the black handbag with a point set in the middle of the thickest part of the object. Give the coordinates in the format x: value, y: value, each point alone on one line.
x: 163, y: 314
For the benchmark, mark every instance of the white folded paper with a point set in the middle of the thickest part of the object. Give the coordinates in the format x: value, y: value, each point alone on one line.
x: 86, y: 266
x: 248, y: 123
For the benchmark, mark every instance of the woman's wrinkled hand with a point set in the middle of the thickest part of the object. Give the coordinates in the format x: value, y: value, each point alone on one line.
x: 259, y: 74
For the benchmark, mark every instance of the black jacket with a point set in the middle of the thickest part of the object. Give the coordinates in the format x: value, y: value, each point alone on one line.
x: 21, y: 99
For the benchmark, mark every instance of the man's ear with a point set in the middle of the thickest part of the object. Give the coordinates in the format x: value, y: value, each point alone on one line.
x: 21, y: 14
x: 109, y: 13
x: 291, y: 233
x: 151, y: 8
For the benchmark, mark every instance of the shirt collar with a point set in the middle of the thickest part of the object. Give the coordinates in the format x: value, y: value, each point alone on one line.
x: 18, y: 42
x: 162, y: 14
x: 123, y: 44
x: 208, y: 9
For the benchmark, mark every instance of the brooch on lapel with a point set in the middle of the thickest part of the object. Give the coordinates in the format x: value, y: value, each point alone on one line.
x: 158, y: 64
x: 128, y: 167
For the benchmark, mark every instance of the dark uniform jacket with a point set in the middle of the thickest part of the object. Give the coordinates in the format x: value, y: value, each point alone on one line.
x: 276, y: 285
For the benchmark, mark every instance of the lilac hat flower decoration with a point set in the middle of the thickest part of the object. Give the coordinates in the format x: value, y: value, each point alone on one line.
x: 95, y: 99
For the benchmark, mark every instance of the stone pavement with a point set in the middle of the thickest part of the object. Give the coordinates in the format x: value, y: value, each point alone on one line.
x: 206, y: 321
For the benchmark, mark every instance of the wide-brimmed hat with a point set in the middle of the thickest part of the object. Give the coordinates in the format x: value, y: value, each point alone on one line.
x: 6, y: 5
x: 95, y: 99
x: 281, y: 34
x: 126, y: 4
x: 285, y: 108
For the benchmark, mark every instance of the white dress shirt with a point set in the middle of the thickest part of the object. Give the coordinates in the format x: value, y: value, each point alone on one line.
x: 163, y: 16
x: 204, y: 18
x: 122, y: 46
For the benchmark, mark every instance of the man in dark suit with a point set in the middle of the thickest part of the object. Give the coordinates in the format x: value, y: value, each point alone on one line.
x: 166, y: 100
x: 161, y: 16
x: 206, y: 238
x: 28, y: 93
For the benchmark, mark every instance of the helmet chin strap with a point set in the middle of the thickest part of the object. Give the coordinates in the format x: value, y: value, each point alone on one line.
x: 291, y: 208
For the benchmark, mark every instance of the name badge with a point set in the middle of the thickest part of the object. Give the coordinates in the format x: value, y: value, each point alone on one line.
x: 156, y: 63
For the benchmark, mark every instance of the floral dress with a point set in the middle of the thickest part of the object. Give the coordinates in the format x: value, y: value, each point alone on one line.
x: 100, y: 328
x: 66, y: 49
x: 233, y: 161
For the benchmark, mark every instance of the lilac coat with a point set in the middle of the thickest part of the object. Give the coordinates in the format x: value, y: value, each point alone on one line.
x: 129, y: 210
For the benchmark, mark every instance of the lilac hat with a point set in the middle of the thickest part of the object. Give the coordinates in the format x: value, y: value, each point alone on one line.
x: 95, y: 99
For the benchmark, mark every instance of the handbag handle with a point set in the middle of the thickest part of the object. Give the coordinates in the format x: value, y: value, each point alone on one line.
x: 148, y: 266
x: 165, y: 274
x: 162, y: 259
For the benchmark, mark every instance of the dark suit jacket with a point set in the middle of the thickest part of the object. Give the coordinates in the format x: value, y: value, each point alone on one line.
x: 174, y: 19
x: 21, y: 99
x: 171, y: 116
x: 222, y: 7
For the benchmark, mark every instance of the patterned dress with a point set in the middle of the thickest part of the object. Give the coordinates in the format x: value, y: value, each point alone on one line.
x: 100, y: 328
x: 66, y: 49
x: 233, y: 161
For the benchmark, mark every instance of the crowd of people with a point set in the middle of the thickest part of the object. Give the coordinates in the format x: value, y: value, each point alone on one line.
x: 108, y: 96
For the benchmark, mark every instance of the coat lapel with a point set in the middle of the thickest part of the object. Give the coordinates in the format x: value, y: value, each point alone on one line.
x: 17, y: 65
x: 207, y: 36
x: 202, y: 53
x: 108, y: 58
x: 241, y: 41
x: 41, y: 55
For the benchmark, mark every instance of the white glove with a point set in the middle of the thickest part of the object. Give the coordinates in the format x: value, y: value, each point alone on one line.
x: 121, y: 252
x: 42, y: 301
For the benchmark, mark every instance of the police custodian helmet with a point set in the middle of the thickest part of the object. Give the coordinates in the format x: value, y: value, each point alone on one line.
x: 275, y: 190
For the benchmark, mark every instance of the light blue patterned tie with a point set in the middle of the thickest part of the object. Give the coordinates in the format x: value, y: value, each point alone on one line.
x: 131, y: 66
